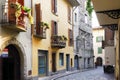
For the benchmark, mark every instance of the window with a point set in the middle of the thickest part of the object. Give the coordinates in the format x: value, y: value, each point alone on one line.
x: 86, y: 20
x: 54, y: 6
x: 69, y: 14
x: 75, y: 17
x: 70, y: 34
x: 71, y: 62
x: 61, y: 59
x: 99, y: 50
x: 54, y: 28
x: 99, y: 39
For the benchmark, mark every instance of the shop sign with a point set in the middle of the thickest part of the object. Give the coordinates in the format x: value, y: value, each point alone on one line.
x: 4, y: 53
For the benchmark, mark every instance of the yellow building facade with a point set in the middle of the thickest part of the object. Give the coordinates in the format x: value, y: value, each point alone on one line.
x: 52, y: 39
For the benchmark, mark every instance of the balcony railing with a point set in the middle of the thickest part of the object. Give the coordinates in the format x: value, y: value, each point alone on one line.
x: 40, y: 32
x: 107, y: 43
x: 9, y: 20
x: 57, y: 42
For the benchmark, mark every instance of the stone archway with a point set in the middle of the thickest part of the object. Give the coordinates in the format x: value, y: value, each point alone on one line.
x: 18, y: 46
x: 99, y: 61
x: 76, y: 62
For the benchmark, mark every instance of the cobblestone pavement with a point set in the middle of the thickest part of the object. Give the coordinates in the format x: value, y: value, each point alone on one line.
x: 95, y: 74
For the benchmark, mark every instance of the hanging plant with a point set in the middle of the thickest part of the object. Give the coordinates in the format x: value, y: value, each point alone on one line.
x: 89, y: 7
x: 22, y: 10
x: 64, y: 38
x: 44, y: 25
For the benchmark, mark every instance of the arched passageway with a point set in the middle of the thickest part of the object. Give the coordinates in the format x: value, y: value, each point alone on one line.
x: 10, y: 63
x: 76, y: 62
x: 99, y: 61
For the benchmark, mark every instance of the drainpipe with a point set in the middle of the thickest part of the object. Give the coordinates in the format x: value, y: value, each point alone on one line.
x: 32, y: 29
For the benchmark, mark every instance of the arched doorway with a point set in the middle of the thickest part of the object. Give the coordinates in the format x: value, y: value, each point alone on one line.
x: 99, y: 61
x: 76, y: 62
x: 10, y: 63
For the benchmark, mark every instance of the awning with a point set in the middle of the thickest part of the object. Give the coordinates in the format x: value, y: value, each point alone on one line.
x: 108, y: 12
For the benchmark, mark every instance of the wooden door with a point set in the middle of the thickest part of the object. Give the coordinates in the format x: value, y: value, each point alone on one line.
x: 0, y: 68
x: 53, y: 62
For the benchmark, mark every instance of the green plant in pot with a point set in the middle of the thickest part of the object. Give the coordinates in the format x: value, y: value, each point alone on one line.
x: 44, y: 25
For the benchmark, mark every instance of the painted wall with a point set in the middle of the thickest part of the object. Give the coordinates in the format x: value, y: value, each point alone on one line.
x: 44, y: 44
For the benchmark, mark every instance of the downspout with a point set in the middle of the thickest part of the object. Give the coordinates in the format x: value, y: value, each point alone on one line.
x: 32, y: 29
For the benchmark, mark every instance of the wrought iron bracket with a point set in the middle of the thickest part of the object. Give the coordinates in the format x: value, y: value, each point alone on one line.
x: 115, y: 14
x: 111, y: 26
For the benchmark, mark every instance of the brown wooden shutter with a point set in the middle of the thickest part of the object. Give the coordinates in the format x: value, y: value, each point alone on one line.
x: 69, y: 37
x: 38, y: 18
x: 52, y: 26
x: 11, y: 12
x: 69, y: 14
x: 21, y: 2
x: 71, y: 34
x: 56, y: 28
x: 53, y: 5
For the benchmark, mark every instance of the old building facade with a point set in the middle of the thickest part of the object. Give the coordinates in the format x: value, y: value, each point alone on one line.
x: 83, y: 42
x: 15, y: 41
x: 52, y: 39
x: 99, y: 53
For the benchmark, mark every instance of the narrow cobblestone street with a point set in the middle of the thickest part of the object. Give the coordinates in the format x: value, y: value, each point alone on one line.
x: 95, y: 74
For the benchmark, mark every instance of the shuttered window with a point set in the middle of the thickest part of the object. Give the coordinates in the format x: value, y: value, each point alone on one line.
x: 99, y: 50
x: 99, y: 38
x: 38, y: 18
x: 11, y: 12
x: 70, y: 34
x: 54, y: 28
x: 69, y: 14
x: 54, y: 6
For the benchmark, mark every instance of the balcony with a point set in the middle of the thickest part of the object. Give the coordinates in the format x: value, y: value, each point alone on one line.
x: 10, y: 21
x: 40, y: 32
x: 107, y: 43
x: 58, y: 42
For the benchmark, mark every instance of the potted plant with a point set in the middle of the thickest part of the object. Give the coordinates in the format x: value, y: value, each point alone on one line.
x: 64, y: 38
x: 21, y: 11
x: 44, y: 25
